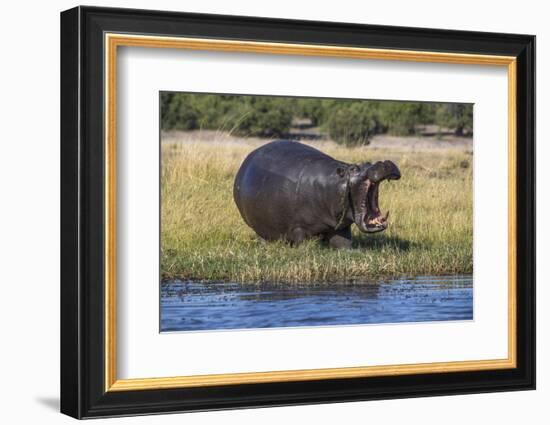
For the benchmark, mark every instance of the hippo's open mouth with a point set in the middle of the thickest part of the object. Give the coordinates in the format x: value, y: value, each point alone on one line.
x: 369, y: 218
x: 372, y: 220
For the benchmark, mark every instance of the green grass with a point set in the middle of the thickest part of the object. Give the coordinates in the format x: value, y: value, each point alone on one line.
x: 203, y: 236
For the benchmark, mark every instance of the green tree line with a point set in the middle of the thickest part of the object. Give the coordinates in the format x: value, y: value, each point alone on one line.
x: 349, y: 122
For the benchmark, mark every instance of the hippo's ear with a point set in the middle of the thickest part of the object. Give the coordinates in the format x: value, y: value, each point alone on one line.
x: 354, y: 170
x: 341, y: 171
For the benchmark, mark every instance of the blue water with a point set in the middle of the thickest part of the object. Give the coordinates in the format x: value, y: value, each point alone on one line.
x: 195, y: 306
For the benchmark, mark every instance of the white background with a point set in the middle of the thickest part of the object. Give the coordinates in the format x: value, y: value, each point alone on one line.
x: 144, y: 72
x: 29, y: 224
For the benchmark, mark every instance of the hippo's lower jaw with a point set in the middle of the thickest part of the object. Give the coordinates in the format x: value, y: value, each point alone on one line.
x: 378, y: 223
x: 373, y: 224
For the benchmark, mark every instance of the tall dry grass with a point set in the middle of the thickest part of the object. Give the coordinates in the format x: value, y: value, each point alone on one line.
x: 203, y: 236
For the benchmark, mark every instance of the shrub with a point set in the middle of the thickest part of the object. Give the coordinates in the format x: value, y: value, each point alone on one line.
x: 455, y: 116
x: 353, y: 124
x: 178, y: 112
x: 401, y: 118
x: 350, y: 122
x: 314, y: 109
x: 263, y: 116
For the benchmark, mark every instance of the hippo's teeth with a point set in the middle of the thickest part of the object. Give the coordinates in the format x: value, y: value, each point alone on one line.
x: 375, y: 221
x: 379, y: 220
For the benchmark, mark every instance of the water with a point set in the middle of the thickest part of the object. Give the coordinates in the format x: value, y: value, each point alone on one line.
x: 194, y: 306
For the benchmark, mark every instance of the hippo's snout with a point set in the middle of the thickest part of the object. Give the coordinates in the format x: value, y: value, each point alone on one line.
x: 385, y: 170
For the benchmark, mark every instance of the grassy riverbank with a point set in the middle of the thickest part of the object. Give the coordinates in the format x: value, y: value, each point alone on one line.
x: 203, y: 236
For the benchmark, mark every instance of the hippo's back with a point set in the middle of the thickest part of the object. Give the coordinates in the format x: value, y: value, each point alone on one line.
x: 267, y: 183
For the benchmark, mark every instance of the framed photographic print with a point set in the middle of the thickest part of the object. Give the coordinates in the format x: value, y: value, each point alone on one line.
x: 261, y: 212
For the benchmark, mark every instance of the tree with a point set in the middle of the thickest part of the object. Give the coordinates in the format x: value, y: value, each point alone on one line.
x: 352, y: 124
x: 349, y: 122
x: 178, y: 112
x: 455, y: 116
x: 263, y: 116
x: 401, y: 118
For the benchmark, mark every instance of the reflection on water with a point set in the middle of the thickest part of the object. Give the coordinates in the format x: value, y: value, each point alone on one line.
x: 194, y: 306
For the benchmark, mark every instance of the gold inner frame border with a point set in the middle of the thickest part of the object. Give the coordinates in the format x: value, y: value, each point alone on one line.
x: 111, y: 43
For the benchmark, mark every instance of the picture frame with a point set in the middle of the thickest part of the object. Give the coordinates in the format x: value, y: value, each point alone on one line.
x: 90, y: 40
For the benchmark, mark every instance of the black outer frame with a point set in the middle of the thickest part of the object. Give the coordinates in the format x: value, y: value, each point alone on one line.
x: 82, y: 212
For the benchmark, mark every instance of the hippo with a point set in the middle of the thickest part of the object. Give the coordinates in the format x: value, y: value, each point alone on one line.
x: 286, y: 190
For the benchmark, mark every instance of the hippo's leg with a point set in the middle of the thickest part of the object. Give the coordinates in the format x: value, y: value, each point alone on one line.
x: 297, y: 236
x: 340, y: 238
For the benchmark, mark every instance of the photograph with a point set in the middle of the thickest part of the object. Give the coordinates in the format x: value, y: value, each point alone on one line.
x: 282, y: 212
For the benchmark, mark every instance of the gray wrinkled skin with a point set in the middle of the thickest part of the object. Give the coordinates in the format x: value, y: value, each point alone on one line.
x: 289, y: 191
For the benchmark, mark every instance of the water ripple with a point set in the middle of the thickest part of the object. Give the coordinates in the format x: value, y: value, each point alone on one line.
x: 195, y: 306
